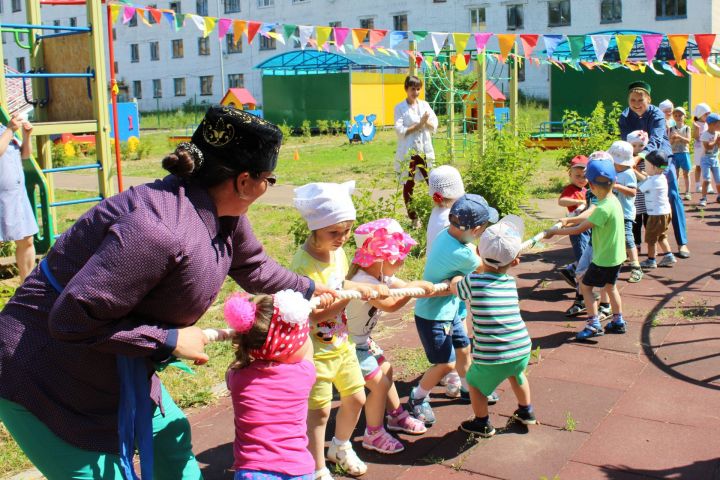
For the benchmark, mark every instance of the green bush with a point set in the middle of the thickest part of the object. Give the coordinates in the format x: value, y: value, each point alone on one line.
x: 59, y: 159
x: 597, y: 131
x: 286, y: 131
x: 323, y: 126
x: 305, y: 129
x: 336, y: 127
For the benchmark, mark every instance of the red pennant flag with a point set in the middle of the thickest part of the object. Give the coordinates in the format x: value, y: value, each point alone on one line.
x: 704, y: 43
x: 252, y: 29
x: 529, y: 42
x: 376, y: 36
x: 156, y: 14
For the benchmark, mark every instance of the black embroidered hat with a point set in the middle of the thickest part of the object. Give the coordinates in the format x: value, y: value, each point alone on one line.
x: 640, y: 85
x: 238, y: 139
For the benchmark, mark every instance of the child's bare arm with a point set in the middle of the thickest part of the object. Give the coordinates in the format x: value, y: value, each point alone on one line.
x: 570, y: 202
x: 393, y: 304
x: 627, y: 191
x: 322, y: 314
x: 574, y: 230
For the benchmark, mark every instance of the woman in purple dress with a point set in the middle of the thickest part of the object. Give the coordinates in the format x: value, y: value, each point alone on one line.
x: 116, y: 298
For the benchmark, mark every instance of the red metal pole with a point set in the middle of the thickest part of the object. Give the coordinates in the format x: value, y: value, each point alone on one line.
x: 113, y: 96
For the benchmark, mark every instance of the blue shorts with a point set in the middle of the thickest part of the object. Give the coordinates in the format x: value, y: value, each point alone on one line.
x: 370, y: 356
x: 682, y: 161
x: 629, y: 237
x: 601, y: 276
x: 243, y: 474
x: 708, y: 166
x: 441, y: 338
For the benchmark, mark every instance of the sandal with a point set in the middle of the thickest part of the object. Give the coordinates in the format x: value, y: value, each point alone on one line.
x: 346, y: 458
x: 406, y: 424
x: 323, y: 474
x: 381, y: 441
x: 575, y: 309
x: 636, y: 274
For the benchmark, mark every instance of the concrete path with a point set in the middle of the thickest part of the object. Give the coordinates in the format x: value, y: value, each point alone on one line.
x: 635, y: 406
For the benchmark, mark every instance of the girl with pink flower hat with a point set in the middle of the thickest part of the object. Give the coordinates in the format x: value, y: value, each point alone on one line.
x: 270, y: 381
x: 382, y: 248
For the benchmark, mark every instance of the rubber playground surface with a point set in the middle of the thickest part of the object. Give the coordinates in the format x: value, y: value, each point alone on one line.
x: 640, y: 405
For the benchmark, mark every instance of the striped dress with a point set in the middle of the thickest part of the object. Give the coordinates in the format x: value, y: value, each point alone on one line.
x: 499, y: 333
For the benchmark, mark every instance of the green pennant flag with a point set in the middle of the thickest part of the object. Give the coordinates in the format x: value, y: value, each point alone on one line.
x: 179, y: 20
x: 577, y: 42
x: 420, y: 35
x: 289, y: 30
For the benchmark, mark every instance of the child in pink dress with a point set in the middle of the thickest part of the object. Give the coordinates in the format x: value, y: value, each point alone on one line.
x: 270, y: 382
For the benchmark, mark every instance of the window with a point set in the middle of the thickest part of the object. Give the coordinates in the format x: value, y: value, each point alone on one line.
x: 20, y: 63
x: 176, y: 7
x: 16, y: 5
x: 439, y: 1
x: 368, y: 23
x: 179, y: 84
x: 133, y: 21
x: 236, y: 80
x: 267, y: 43
x: 477, y: 20
x: 610, y: 11
x: 559, y: 13
x: 115, y: 64
x: 203, y: 46
x: 201, y: 7
x: 333, y: 25
x: 231, y: 46
x: 137, y: 89
x: 400, y: 22
x: 56, y: 23
x: 232, y: 6
x: 515, y: 17
x: 73, y: 21
x: 1, y: 6
x: 151, y: 19
x: 4, y: 40
x: 521, y: 71
x: 134, y: 53
x: 265, y: 3
x: 157, y: 88
x: 177, y: 48
x: 666, y: 9
x: 114, y: 33
x: 206, y: 85
x: 295, y: 2
x: 154, y: 51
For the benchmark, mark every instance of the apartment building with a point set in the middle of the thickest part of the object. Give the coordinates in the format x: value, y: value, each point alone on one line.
x: 163, y: 68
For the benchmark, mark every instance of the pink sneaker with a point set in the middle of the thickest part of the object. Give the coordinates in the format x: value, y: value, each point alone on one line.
x: 405, y: 423
x: 381, y: 441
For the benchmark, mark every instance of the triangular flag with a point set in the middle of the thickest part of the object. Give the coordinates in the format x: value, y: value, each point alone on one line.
x: 156, y: 14
x: 668, y: 66
x: 678, y: 44
x: 169, y: 16
x: 179, y: 21
x: 419, y: 35
x: 700, y: 65
x: 704, y: 43
x: 651, y: 66
x: 223, y: 27
x: 305, y: 33
x: 438, y: 40
x: 238, y: 30
x: 713, y: 69
x: 600, y: 45
x: 460, y: 40
x: 551, y: 43
x: 252, y: 29
x: 341, y: 34
x: 128, y: 14
x: 198, y: 21
x: 529, y: 42
x: 397, y: 36
x: 459, y: 61
x: 114, y: 13
x: 323, y: 35
x: 376, y: 36
x: 690, y: 67
x: 276, y: 36
x: 289, y: 30
x: 577, y: 43
x: 481, y: 40
x: 625, y: 44
x: 141, y: 14
x: 651, y: 42
x: 358, y: 36
x: 506, y: 41
x: 209, y: 25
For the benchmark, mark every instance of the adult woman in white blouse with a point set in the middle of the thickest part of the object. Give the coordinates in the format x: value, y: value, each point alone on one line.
x: 415, y: 122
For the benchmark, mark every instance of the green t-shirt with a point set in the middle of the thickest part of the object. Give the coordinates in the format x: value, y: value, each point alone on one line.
x: 608, y: 233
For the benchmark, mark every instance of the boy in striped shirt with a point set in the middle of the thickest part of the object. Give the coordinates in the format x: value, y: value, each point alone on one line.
x: 501, y: 344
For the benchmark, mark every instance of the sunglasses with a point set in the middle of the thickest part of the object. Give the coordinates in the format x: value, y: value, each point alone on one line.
x: 270, y: 179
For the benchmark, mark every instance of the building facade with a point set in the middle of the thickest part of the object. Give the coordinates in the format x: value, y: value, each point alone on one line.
x: 163, y: 68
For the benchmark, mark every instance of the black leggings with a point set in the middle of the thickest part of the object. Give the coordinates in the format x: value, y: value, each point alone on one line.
x: 640, y: 222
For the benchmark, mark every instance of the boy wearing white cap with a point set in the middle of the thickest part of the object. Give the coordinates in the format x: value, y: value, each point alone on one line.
x: 501, y: 344
x: 702, y: 111
x: 625, y: 190
x: 680, y: 143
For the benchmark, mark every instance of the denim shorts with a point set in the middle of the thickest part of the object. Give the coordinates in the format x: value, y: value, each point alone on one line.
x: 601, y: 276
x: 629, y: 237
x: 708, y: 166
x: 584, y: 262
x: 441, y: 338
x: 244, y: 474
x: 371, y: 357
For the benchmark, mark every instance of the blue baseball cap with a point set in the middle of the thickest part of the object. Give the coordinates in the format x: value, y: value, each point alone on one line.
x: 600, y: 168
x: 470, y: 211
x: 713, y: 118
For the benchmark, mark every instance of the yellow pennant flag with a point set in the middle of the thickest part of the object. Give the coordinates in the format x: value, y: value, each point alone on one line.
x: 678, y: 44
x: 382, y: 50
x: 114, y: 13
x: 625, y: 44
x: 238, y: 29
x: 700, y: 65
x: 358, y: 35
x: 322, y: 34
x: 209, y: 25
x: 507, y: 42
x: 460, y: 40
x: 713, y: 69
x: 460, y: 63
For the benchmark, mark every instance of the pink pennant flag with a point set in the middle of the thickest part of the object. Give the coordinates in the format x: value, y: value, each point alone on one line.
x: 223, y: 27
x: 481, y: 40
x: 341, y: 34
x: 376, y: 36
x: 651, y: 42
x: 128, y: 14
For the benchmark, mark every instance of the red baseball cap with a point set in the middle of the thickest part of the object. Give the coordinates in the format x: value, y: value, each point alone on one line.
x: 579, y: 161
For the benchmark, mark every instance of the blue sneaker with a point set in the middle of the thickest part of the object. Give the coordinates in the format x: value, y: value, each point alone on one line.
x: 592, y: 329
x: 421, y: 409
x: 617, y: 325
x: 492, y: 399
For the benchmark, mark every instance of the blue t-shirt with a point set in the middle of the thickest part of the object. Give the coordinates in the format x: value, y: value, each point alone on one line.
x: 628, y: 179
x: 447, y: 258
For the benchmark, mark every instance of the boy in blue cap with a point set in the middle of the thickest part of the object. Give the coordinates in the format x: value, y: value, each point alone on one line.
x: 442, y: 332
x: 608, y: 240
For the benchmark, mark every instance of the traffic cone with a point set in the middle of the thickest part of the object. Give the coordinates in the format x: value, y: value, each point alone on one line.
x: 360, y: 156
x: 296, y: 155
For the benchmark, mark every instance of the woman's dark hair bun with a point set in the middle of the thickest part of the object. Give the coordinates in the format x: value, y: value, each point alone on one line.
x: 180, y: 163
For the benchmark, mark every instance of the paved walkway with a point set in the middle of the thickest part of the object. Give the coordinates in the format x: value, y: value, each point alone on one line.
x: 640, y: 405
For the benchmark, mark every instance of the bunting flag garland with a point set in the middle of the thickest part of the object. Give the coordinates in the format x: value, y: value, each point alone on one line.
x: 238, y: 29
x: 529, y: 42
x: 460, y: 40
x: 376, y: 36
x: 305, y: 33
x: 651, y: 43
x: 577, y: 43
x: 252, y: 30
x: 198, y: 21
x: 289, y: 30
x: 704, y: 43
x: 341, y: 34
x: 156, y: 14
x: 438, y: 40
x: 358, y: 36
x: 140, y: 12
x: 625, y: 44
x: 419, y: 35
x: 397, y: 36
x: 600, y: 44
x: 179, y: 21
x: 551, y: 43
x: 322, y: 34
x: 651, y: 66
x: 481, y: 40
x: 114, y: 13
x: 128, y: 14
x: 171, y: 19
x: 678, y: 44
x: 223, y: 27
x: 507, y: 42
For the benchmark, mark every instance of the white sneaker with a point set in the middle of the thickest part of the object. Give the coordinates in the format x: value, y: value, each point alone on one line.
x: 453, y: 390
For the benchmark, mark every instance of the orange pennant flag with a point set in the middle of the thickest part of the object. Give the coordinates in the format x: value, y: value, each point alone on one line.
x: 238, y: 29
x: 506, y: 41
x: 252, y: 29
x: 678, y: 44
x: 141, y: 13
x: 358, y: 36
